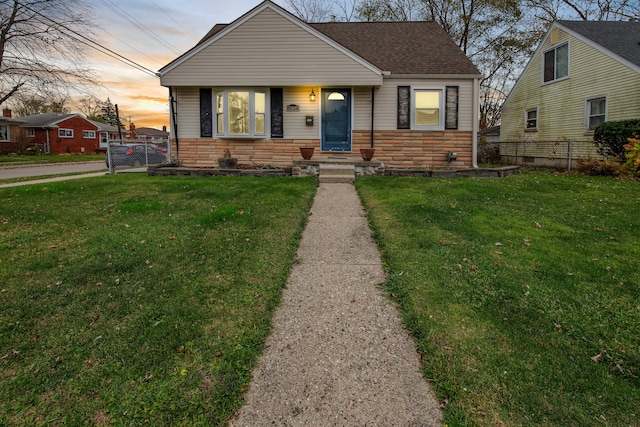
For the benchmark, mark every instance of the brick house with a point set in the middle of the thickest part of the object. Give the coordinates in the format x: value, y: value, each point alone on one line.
x: 269, y: 83
x: 12, y: 137
x: 67, y: 133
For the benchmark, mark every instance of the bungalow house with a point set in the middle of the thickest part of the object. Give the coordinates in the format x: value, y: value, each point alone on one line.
x: 12, y: 138
x: 268, y: 84
x: 581, y: 75
x: 152, y: 135
x: 67, y: 133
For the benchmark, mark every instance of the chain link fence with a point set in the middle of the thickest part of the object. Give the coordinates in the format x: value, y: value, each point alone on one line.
x: 128, y: 154
x: 560, y: 154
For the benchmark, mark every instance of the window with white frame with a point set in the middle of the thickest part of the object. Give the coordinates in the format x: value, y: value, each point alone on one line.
x: 531, y: 119
x: 91, y: 134
x: 65, y: 133
x: 555, y: 64
x: 428, y: 109
x: 31, y: 132
x: 241, y: 113
x: 596, y: 112
x: 4, y: 132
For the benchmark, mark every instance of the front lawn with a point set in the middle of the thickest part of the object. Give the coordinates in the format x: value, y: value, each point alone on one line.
x: 129, y: 300
x: 523, y: 293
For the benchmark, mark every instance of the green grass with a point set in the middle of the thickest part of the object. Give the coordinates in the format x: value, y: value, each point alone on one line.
x: 128, y: 300
x: 44, y: 159
x: 523, y: 293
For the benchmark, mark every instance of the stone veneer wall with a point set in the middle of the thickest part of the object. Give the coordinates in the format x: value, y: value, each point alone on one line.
x: 395, y: 148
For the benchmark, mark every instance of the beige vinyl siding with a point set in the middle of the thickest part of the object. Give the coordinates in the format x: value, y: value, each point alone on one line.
x: 386, y: 101
x: 269, y: 50
x: 295, y: 126
x: 362, y: 108
x: 188, y: 112
x: 561, y: 105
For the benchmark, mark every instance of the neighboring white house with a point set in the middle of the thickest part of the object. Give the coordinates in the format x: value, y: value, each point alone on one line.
x: 269, y: 83
x: 582, y: 74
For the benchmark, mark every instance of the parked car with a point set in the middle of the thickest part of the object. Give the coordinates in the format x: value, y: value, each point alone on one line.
x: 134, y: 155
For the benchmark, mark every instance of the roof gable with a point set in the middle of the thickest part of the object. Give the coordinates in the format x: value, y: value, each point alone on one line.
x: 619, y: 39
x: 609, y: 33
x: 220, y: 31
x: 406, y: 48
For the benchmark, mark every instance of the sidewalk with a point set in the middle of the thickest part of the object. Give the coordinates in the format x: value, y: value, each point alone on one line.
x: 337, y: 354
x: 55, y: 179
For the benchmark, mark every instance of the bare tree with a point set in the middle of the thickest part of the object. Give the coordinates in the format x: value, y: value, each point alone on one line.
x: 586, y: 10
x: 26, y: 104
x: 91, y: 106
x: 42, y: 45
x: 311, y: 10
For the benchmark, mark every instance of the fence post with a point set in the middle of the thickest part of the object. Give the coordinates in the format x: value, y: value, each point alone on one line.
x: 569, y: 154
x: 111, y: 168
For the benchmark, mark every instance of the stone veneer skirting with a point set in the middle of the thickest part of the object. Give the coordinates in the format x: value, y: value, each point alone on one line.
x: 394, y: 148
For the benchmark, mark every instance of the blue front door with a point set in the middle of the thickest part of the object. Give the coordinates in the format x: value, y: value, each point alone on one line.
x: 336, y: 120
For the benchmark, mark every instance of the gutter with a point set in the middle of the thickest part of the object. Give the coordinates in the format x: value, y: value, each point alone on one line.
x: 373, y: 97
x: 174, y: 120
x: 476, y: 121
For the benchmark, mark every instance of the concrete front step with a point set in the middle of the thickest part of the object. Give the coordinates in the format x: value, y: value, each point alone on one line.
x: 336, y: 179
x: 337, y: 174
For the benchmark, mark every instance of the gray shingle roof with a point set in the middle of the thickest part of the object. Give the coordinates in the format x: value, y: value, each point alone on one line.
x: 621, y: 38
x: 45, y: 120
x: 414, y: 47
x: 418, y: 47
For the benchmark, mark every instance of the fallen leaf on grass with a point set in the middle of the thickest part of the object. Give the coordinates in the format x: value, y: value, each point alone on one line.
x: 598, y: 229
x: 499, y: 244
x: 537, y: 224
x: 172, y: 238
x: 218, y: 354
x: 596, y: 357
x: 181, y: 349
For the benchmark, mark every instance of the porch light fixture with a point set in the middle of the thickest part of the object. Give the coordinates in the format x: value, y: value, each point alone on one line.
x: 312, y: 96
x: 451, y: 156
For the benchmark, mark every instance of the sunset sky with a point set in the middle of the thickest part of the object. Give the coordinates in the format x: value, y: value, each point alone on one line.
x: 151, y: 33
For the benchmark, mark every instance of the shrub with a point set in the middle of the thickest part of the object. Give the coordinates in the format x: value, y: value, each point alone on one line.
x: 633, y: 156
x: 611, y: 137
x: 593, y: 167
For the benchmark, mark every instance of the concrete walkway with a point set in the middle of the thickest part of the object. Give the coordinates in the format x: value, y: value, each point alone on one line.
x: 338, y: 355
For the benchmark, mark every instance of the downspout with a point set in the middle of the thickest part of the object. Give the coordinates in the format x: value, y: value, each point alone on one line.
x: 173, y: 114
x: 476, y: 120
x: 373, y: 104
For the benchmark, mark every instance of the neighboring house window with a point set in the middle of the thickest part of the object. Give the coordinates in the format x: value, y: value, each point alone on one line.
x: 241, y: 113
x: 428, y: 109
x: 556, y: 63
x: 89, y: 134
x: 65, y: 133
x: 4, y: 132
x: 596, y: 112
x: 31, y: 132
x: 531, y: 119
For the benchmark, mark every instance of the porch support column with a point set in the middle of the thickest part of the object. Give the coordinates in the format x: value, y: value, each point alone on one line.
x: 373, y: 104
x: 476, y: 121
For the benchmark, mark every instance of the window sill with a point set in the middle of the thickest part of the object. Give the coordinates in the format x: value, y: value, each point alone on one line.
x: 531, y: 130
x: 242, y: 137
